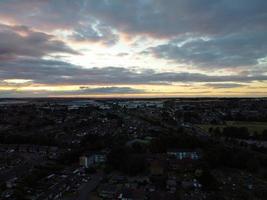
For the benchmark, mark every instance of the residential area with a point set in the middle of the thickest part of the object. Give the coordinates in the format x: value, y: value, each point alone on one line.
x: 188, y: 149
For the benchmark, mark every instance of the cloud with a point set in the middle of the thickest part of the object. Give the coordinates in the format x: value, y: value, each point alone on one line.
x: 163, y: 18
x: 17, y: 41
x: 72, y: 16
x: 226, y: 33
x: 95, y: 33
x: 111, y: 90
x: 158, y: 18
x: 122, y: 54
x: 82, y: 91
x: 224, y: 85
x: 42, y: 14
x: 237, y: 50
x: 208, y: 35
x: 62, y: 73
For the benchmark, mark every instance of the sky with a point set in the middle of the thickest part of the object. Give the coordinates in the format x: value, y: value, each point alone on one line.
x: 133, y: 48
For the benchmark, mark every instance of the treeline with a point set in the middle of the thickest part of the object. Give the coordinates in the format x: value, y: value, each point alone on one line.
x: 239, y: 133
x: 37, y: 139
x: 245, y: 117
x: 220, y: 156
x: 171, y: 141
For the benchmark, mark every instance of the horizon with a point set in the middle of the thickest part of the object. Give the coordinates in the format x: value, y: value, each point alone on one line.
x: 117, y: 49
x: 128, y: 98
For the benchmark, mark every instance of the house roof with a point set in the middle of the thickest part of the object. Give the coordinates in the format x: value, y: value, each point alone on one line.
x: 107, y: 188
x: 182, y: 150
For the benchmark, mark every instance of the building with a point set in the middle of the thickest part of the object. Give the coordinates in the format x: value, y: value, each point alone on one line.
x: 108, y: 191
x: 91, y: 159
x: 184, y: 154
x: 171, y: 185
x: 128, y: 194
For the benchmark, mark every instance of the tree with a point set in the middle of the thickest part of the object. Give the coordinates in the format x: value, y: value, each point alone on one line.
x: 138, y: 148
x: 210, y: 129
x: 123, y: 159
x: 252, y: 164
x: 208, y: 181
x: 217, y: 131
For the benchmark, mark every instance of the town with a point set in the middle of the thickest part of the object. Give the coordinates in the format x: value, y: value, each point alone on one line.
x: 133, y: 149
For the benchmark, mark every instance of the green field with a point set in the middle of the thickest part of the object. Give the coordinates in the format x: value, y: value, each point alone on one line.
x: 252, y: 126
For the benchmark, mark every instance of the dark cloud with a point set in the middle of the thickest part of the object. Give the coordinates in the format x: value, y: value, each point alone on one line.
x: 42, y: 14
x: 81, y: 91
x: 236, y: 50
x: 175, y: 17
x: 207, y: 34
x: 236, y: 29
x: 58, y: 73
x: 110, y: 90
x: 95, y: 33
x: 224, y: 85
x: 57, y: 15
x: 159, y: 18
x: 18, y: 41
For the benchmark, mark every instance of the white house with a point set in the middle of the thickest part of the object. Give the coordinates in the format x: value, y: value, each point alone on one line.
x: 89, y: 160
x: 184, y: 154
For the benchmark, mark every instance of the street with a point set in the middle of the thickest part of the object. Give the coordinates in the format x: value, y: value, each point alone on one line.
x: 86, y: 188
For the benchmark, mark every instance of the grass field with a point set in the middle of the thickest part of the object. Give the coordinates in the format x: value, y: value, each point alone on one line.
x: 252, y: 126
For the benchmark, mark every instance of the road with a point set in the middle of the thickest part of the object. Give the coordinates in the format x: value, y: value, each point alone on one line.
x: 87, y: 188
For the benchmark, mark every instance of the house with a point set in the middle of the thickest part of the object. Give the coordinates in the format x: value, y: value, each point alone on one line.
x: 157, y: 167
x: 190, y: 184
x: 128, y: 194
x: 43, y: 149
x: 150, y: 188
x: 184, y: 154
x: 88, y: 160
x: 33, y: 148
x: 2, y: 148
x: 171, y: 185
x: 157, y: 163
x: 118, y: 179
x: 108, y: 191
x: 23, y: 148
x: 162, y: 195
x: 11, y: 182
x: 7, y: 194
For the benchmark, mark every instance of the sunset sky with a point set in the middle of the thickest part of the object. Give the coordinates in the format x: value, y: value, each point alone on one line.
x: 133, y: 48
